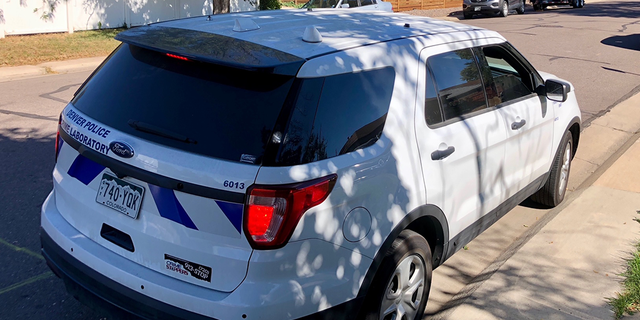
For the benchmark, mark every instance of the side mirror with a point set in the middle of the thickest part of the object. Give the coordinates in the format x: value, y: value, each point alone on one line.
x: 557, y: 90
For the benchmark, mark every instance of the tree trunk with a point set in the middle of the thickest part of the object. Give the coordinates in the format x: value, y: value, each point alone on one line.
x: 220, y: 6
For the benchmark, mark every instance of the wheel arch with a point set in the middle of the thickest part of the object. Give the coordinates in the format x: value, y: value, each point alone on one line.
x: 430, y: 222
x: 575, y: 129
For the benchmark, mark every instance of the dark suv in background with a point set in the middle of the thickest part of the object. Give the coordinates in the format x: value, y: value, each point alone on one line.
x: 491, y: 7
x: 543, y: 4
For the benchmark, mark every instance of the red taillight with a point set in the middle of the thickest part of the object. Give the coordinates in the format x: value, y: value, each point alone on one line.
x: 259, y: 219
x: 273, y: 212
x: 177, y: 57
x: 58, y: 140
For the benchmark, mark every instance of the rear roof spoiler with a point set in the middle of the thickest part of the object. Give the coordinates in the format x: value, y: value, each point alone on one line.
x: 212, y: 48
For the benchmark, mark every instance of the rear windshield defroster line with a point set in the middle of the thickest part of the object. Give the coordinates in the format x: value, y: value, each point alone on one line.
x: 125, y: 170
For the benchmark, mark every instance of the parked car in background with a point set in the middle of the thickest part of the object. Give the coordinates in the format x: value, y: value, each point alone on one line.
x: 491, y: 7
x: 543, y: 4
x: 296, y: 164
x: 360, y: 4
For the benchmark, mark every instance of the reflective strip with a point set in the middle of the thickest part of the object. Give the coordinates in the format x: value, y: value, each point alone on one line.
x: 233, y: 211
x: 169, y: 207
x: 85, y: 169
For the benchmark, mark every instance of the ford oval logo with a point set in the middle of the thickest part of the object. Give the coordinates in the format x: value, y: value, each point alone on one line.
x: 121, y: 149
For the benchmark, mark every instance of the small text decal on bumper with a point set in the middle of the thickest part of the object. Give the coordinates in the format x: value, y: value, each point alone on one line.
x: 187, y: 268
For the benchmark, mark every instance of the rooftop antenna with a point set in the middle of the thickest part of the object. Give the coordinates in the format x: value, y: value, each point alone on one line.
x: 245, y: 24
x: 312, y: 35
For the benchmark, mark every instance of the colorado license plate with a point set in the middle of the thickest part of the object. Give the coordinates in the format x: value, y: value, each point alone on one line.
x: 120, y: 195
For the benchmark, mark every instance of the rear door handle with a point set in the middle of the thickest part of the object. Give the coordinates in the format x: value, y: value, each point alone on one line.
x: 518, y: 124
x: 441, y: 154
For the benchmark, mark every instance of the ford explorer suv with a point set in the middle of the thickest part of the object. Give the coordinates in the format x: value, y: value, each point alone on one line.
x: 296, y: 164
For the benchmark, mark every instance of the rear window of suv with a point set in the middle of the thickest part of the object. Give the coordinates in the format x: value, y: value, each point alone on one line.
x: 216, y: 111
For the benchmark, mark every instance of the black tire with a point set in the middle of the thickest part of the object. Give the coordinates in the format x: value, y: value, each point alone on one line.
x: 409, y: 246
x: 467, y: 15
x: 504, y: 9
x: 520, y: 10
x: 575, y: 4
x: 581, y: 5
x: 554, y: 190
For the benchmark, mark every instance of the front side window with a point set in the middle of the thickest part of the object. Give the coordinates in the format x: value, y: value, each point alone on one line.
x: 320, y: 4
x: 510, y: 79
x: 458, y: 82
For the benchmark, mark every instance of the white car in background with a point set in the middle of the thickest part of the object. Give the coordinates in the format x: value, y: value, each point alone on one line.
x: 296, y: 164
x: 377, y: 5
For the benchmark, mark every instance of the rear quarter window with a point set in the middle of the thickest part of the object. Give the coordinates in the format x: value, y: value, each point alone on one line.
x: 333, y: 116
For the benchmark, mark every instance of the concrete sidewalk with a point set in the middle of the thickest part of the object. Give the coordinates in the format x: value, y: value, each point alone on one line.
x: 55, y: 67
x: 569, y: 266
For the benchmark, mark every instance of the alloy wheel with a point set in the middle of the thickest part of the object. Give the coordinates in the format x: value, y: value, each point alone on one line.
x: 404, y: 290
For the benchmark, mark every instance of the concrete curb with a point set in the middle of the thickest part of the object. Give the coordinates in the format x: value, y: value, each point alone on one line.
x: 54, y: 67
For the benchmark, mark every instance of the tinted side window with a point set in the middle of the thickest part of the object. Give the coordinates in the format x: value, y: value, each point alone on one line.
x: 321, y: 4
x: 333, y: 116
x: 460, y: 87
x: 510, y: 78
x: 432, y: 111
x: 490, y: 89
x: 351, y: 3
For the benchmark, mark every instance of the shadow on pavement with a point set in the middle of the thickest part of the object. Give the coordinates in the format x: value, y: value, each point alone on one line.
x: 27, y: 158
x: 631, y: 42
x: 618, y: 9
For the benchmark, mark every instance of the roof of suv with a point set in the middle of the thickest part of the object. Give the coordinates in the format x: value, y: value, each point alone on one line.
x: 283, y: 30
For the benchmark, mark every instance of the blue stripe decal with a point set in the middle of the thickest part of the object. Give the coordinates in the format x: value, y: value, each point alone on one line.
x: 85, y: 169
x: 233, y: 211
x: 169, y: 206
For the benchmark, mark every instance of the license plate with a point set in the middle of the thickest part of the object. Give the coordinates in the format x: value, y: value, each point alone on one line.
x: 476, y: 8
x: 120, y: 195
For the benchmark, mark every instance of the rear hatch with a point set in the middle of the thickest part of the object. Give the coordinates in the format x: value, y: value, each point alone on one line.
x: 159, y: 146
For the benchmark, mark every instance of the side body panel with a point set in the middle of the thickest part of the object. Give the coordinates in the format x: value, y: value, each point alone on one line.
x: 470, y: 182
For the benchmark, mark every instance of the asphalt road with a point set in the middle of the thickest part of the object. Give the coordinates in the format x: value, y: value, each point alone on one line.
x: 596, y: 48
x: 29, y: 112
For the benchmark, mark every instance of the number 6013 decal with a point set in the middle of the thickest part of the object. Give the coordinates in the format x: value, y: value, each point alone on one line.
x: 233, y: 184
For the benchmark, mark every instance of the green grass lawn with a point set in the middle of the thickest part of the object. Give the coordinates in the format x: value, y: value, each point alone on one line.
x: 38, y: 48
x: 628, y: 302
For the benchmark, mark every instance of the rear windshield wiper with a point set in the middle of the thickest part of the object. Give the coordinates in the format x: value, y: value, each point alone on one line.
x: 149, y: 128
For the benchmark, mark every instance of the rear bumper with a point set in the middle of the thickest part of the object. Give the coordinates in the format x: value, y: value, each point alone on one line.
x: 101, y: 278
x: 96, y: 290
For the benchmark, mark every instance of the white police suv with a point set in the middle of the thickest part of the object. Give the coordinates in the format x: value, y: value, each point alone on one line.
x: 296, y: 164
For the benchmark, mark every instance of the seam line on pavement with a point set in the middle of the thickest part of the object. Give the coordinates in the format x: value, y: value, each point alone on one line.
x: 26, y: 282
x: 27, y: 115
x: 21, y: 249
x: 477, y: 281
